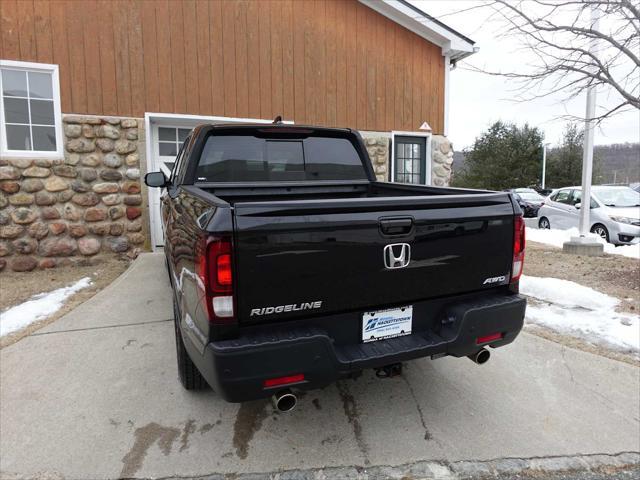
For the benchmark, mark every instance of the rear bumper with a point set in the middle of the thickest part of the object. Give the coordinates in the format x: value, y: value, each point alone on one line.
x: 237, y: 368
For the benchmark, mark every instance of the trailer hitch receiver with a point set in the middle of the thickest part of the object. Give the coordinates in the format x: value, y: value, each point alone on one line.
x: 389, y: 371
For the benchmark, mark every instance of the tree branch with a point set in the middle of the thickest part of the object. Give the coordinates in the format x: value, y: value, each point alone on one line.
x: 566, y: 59
x: 589, y: 32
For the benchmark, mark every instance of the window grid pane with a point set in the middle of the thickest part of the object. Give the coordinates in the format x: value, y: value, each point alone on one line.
x: 166, y: 134
x: 18, y: 137
x: 167, y: 149
x: 182, y: 134
x: 16, y: 110
x: 14, y: 83
x: 40, y: 85
x: 41, y: 112
x: 44, y: 138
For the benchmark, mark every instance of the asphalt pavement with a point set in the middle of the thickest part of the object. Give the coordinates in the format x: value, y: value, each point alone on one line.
x: 96, y: 395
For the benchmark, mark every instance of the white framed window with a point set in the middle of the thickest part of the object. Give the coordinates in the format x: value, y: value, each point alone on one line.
x: 168, y: 140
x: 30, y: 116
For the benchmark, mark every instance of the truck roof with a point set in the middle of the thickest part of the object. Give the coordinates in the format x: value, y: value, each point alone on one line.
x: 271, y: 126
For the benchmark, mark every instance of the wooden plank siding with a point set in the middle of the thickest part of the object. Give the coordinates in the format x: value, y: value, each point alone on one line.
x: 328, y: 62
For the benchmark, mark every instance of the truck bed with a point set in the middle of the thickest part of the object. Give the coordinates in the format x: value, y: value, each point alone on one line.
x: 261, y: 192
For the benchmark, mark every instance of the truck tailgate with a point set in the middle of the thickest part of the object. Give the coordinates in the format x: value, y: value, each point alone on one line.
x: 303, y: 257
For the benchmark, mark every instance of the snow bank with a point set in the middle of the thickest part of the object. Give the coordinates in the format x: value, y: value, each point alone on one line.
x: 558, y: 237
x: 38, y: 307
x: 580, y: 311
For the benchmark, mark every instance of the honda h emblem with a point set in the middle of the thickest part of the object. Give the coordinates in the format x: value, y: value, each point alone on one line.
x: 397, y: 255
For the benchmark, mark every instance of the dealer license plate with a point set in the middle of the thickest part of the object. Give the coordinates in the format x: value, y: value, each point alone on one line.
x: 393, y: 322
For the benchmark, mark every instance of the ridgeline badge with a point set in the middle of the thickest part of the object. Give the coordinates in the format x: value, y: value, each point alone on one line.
x: 294, y: 307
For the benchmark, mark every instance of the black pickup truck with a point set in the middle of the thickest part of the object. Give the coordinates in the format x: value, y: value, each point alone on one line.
x: 292, y: 266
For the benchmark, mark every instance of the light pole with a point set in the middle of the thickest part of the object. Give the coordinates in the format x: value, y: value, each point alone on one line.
x: 544, y: 163
x: 583, y: 245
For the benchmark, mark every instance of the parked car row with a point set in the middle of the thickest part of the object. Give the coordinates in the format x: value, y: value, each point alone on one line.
x: 615, y: 212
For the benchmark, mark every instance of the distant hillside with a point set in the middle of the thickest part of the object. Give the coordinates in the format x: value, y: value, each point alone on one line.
x: 620, y: 162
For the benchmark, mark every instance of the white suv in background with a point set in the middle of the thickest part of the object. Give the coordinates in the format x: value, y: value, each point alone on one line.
x: 615, y: 212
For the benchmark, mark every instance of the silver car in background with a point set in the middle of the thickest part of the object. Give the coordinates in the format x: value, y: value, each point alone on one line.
x: 615, y: 212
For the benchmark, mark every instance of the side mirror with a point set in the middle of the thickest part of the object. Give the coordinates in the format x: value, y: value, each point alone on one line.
x: 156, y: 179
x: 578, y: 205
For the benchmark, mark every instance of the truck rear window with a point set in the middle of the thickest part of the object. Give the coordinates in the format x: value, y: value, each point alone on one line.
x: 246, y: 158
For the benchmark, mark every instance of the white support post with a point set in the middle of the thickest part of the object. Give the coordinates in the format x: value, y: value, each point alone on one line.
x: 544, y: 163
x: 447, y: 88
x: 587, y: 155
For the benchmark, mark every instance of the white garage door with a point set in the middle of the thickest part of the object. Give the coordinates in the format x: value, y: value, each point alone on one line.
x: 167, y: 133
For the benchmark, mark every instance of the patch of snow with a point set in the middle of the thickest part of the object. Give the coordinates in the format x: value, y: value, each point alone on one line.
x: 38, y: 307
x: 557, y: 237
x: 566, y: 293
x: 574, y: 309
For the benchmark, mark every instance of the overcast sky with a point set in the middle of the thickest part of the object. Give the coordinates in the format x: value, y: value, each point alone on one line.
x: 477, y: 100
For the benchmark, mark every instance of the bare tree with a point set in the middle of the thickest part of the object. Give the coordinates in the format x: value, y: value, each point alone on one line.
x: 559, y: 33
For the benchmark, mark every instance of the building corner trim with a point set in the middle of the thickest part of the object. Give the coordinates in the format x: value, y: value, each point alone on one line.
x: 447, y: 89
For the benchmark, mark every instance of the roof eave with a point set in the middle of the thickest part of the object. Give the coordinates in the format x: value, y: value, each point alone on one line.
x: 453, y: 44
x: 455, y: 57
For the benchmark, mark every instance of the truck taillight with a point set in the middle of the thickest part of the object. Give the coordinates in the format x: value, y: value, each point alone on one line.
x: 518, y: 248
x: 224, y: 275
x: 215, y: 269
x: 220, y: 276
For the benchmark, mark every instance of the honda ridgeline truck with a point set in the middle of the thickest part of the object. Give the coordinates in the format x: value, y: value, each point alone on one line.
x: 292, y: 267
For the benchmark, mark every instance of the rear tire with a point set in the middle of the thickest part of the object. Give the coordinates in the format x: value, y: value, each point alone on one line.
x: 544, y: 223
x: 190, y: 376
x: 601, y: 231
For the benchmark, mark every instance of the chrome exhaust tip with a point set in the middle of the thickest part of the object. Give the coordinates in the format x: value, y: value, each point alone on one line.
x: 481, y: 356
x: 285, y: 400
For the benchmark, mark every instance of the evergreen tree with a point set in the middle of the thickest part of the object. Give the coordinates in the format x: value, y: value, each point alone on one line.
x: 505, y: 156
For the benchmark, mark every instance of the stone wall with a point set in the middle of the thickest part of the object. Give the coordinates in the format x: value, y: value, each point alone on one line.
x: 441, y: 160
x: 91, y: 203
x: 378, y: 149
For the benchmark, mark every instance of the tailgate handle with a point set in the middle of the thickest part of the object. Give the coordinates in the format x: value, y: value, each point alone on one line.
x: 396, y: 226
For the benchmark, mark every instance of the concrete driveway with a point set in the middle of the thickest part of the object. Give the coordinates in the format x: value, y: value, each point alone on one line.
x: 96, y: 395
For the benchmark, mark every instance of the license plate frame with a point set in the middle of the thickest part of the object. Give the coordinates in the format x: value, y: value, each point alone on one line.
x: 388, y: 323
